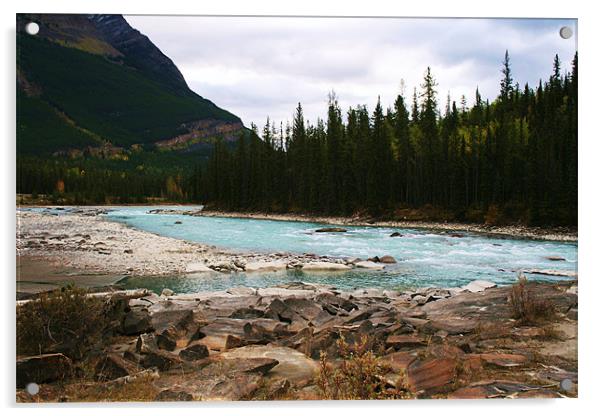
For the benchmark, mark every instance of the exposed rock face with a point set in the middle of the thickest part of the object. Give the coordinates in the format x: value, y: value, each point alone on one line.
x: 141, y: 52
x: 249, y: 343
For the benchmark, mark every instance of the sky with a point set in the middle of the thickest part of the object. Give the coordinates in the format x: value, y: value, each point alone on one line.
x: 257, y: 67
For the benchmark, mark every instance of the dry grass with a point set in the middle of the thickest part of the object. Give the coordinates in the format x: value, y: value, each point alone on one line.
x: 527, y: 308
x: 141, y: 389
x: 359, y: 376
x: 65, y: 320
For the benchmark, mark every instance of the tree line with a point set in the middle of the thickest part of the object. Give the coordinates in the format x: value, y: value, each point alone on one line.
x: 510, y: 160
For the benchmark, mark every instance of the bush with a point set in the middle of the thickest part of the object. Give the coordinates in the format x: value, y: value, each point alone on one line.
x: 65, y: 320
x: 360, y: 375
x: 526, y: 307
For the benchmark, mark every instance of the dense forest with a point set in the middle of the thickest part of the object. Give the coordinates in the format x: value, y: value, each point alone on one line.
x: 511, y: 160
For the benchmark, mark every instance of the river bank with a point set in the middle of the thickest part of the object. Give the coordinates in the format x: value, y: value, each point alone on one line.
x: 513, y: 231
x: 82, y: 241
x: 80, y: 245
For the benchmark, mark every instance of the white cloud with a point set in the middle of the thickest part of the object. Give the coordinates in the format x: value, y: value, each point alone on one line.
x: 255, y: 67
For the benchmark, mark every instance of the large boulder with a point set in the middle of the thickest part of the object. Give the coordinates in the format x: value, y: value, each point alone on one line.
x: 136, y: 321
x: 387, y: 259
x: 331, y: 230
x: 195, y: 351
x: 44, y: 368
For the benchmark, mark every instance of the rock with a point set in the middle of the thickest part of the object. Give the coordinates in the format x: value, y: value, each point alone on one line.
x: 479, y: 286
x: 431, y: 376
x: 421, y: 300
x: 451, y: 325
x: 405, y: 342
x: 503, y: 360
x: 555, y: 258
x: 396, y: 234
x: 549, y: 272
x: 195, y: 351
x: 265, y: 266
x: 293, y: 366
x: 169, y: 395
x: 197, y: 268
x: 167, y: 292
x: 128, y: 251
x: 167, y: 339
x: 324, y: 266
x: 573, y: 290
x: 44, y: 368
x: 497, y: 389
x: 331, y: 230
x: 247, y: 313
x: 280, y: 311
x: 387, y: 260
x: 308, y: 310
x: 399, y: 361
x: 456, y: 235
x: 284, y: 293
x: 136, y: 321
x: 336, y: 301
x: 369, y: 265
x: 234, y: 388
x: 221, y: 342
x: 167, y: 313
x: 113, y: 366
x: 161, y: 360
x: 228, y: 363
x: 391, y: 293
x: 241, y: 291
x: 178, y: 222
x: 146, y: 343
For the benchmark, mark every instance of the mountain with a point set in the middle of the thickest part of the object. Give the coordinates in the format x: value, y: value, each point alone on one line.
x: 91, y: 86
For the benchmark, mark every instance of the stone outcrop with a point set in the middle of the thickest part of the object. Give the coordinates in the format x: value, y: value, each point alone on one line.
x: 247, y: 343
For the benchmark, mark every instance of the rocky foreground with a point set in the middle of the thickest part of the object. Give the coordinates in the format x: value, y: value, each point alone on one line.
x: 264, y: 344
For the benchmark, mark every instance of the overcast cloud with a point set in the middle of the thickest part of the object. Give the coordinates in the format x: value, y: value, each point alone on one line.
x: 263, y: 66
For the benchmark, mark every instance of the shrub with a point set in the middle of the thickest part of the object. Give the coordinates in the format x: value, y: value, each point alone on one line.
x: 65, y: 320
x: 360, y: 375
x: 526, y: 307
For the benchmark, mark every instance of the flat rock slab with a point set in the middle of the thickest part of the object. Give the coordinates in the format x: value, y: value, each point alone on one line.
x: 293, y: 366
x: 504, y: 360
x: 399, y: 361
x: 405, y: 342
x: 317, y: 266
x: 198, y: 268
x: 369, y: 265
x: 479, y: 286
x: 265, y: 266
x: 431, y: 376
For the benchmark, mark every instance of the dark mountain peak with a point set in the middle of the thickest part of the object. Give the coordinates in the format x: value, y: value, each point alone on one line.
x: 138, y: 50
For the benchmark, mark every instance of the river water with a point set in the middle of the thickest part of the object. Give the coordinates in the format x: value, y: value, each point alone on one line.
x: 425, y: 257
